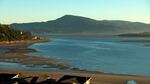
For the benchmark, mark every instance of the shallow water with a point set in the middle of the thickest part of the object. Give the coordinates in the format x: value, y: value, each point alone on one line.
x: 25, y: 67
x: 3, y: 50
x: 106, y: 54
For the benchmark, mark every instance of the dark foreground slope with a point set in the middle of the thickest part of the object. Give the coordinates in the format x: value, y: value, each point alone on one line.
x: 70, y: 24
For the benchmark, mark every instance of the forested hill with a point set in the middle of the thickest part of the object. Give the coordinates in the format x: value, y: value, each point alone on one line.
x: 9, y: 34
x: 81, y: 25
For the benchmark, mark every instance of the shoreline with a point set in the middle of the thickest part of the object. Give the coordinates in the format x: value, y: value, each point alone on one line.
x: 18, y: 49
x: 17, y: 55
x: 21, y: 42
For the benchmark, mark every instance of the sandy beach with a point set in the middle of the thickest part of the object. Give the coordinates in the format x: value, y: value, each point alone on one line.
x: 100, y: 78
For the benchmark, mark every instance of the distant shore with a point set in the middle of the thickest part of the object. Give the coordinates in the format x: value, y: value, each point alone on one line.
x: 147, y: 42
x: 137, y: 41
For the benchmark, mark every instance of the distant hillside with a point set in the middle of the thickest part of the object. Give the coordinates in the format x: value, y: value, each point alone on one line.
x: 143, y: 34
x: 8, y: 34
x: 80, y: 25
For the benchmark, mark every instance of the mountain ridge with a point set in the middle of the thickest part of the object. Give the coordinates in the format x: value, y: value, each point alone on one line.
x: 72, y: 24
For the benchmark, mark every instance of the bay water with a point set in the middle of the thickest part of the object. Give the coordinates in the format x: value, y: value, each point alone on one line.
x: 102, y: 54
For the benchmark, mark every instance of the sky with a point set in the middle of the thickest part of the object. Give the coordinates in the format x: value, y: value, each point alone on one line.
x: 23, y: 11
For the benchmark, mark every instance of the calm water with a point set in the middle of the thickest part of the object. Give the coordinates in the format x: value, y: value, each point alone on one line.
x: 16, y: 66
x: 3, y: 50
x: 106, y: 54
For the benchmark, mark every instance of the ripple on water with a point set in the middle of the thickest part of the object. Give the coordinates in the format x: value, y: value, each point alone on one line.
x: 98, y: 54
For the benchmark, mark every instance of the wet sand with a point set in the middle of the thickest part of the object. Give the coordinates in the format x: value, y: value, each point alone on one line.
x: 17, y: 51
x: 21, y: 42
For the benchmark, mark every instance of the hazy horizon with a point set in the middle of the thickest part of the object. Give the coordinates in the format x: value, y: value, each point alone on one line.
x: 24, y: 11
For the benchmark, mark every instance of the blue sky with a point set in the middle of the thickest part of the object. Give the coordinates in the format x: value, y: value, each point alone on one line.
x: 20, y: 11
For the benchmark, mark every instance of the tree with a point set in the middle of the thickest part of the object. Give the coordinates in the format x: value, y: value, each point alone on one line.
x: 8, y: 34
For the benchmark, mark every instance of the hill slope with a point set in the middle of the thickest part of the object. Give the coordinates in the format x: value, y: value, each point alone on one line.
x: 81, y: 25
x: 8, y: 34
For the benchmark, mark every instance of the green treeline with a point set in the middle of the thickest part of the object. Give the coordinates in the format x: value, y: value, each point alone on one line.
x: 9, y: 34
